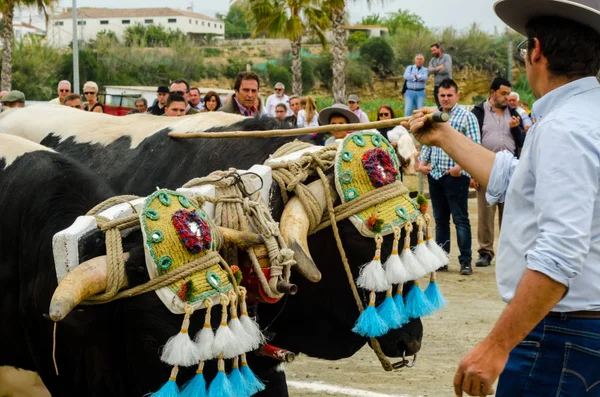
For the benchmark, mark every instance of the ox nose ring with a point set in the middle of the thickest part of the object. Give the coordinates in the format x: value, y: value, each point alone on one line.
x: 404, y: 362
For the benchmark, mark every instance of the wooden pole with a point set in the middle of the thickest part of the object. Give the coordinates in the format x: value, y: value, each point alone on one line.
x: 434, y: 117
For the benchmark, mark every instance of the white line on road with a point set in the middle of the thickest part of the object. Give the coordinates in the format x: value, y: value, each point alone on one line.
x: 333, y: 390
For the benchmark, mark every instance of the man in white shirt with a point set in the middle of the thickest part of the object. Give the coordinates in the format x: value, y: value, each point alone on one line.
x: 514, y: 101
x: 354, y: 105
x: 63, y: 89
x: 275, y: 99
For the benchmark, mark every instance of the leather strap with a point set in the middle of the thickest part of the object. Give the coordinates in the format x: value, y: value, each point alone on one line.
x: 583, y: 314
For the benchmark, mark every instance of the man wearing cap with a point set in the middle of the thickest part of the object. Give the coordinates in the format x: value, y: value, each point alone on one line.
x: 337, y: 114
x: 547, y: 340
x: 13, y: 99
x: 162, y: 95
x: 354, y: 106
x: 275, y: 99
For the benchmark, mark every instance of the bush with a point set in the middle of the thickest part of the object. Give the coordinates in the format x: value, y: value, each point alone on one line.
x: 235, y: 66
x: 323, y: 70
x: 378, y: 54
x: 152, y: 36
x: 278, y: 73
x: 356, y: 40
x: 35, y: 69
x: 358, y: 74
x: 212, y: 52
x: 212, y: 72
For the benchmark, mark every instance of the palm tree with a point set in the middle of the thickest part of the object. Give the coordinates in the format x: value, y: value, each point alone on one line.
x: 338, y: 17
x: 291, y: 19
x: 8, y: 12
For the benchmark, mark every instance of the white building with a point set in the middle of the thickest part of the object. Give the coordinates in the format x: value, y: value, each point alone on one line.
x: 92, y: 20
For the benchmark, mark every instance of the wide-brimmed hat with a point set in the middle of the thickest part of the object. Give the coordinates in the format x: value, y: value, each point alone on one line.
x: 326, y: 114
x: 517, y: 13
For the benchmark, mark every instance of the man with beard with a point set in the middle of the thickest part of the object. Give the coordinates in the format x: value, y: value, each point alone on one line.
x: 501, y: 129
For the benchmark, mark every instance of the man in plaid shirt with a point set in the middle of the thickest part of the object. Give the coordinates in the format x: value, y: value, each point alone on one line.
x: 448, y: 183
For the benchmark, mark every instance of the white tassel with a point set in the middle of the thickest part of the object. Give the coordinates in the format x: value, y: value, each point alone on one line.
x: 225, y: 343
x: 205, y: 337
x: 429, y: 261
x: 394, y: 268
x: 180, y: 349
x: 412, y: 264
x: 236, y: 326
x: 372, y: 276
x: 433, y: 246
x: 256, y: 337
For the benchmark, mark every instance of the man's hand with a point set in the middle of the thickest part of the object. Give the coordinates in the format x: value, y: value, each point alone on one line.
x: 480, y: 368
x: 473, y: 184
x: 425, y: 131
x: 514, y: 122
x: 454, y: 171
x: 423, y: 167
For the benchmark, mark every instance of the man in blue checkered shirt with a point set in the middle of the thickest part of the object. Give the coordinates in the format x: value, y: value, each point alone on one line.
x: 448, y: 183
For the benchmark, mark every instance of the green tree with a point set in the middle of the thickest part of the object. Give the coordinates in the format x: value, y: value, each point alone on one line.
x: 357, y: 39
x: 291, y: 19
x: 8, y: 12
x: 373, y: 19
x: 236, y: 23
x: 378, y: 55
x: 403, y: 19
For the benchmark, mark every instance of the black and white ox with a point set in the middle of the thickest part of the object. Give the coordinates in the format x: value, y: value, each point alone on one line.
x: 133, y: 154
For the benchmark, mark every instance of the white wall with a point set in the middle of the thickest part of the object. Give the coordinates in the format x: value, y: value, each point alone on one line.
x: 60, y: 31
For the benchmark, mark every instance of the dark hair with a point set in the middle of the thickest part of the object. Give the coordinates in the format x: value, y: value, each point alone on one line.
x: 572, y: 49
x: 212, y: 94
x: 436, y: 45
x: 498, y: 81
x: 338, y: 115
x: 143, y: 100
x: 179, y: 81
x: 245, y: 76
x: 281, y: 105
x: 175, y: 98
x: 385, y: 107
x: 70, y: 97
x: 449, y: 83
x: 195, y: 88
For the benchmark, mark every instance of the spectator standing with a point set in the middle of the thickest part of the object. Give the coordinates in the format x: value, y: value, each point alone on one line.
x: 514, y: 101
x: 441, y: 67
x: 90, y: 91
x: 13, y: 99
x: 416, y: 78
x: 141, y: 105
x: 212, y: 102
x: 295, y: 106
x: 448, y: 182
x: 354, y: 106
x: 245, y: 99
x: 337, y: 114
x: 162, y: 95
x: 182, y: 87
x: 176, y: 105
x: 501, y: 129
x: 276, y: 98
x: 74, y: 101
x: 308, y: 116
x: 195, y: 98
x: 63, y: 89
x: 281, y: 111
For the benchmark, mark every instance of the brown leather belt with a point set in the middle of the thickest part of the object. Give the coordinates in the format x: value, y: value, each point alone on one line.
x: 583, y: 314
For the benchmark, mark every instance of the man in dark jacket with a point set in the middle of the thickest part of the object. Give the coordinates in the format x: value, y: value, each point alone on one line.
x: 158, y: 108
x: 245, y: 101
x: 501, y: 129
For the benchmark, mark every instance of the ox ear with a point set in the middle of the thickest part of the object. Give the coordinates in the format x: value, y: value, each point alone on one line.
x: 294, y: 227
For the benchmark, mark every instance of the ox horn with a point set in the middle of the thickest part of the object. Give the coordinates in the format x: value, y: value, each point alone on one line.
x: 87, y: 279
x: 294, y: 227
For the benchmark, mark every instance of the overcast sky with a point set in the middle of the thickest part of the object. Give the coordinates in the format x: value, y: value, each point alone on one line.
x: 436, y: 13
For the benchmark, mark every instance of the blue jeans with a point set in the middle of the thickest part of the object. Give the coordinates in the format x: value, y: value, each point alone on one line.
x: 559, y: 358
x: 413, y: 100
x: 450, y: 196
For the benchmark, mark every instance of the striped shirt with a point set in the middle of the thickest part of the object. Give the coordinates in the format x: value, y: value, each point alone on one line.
x: 416, y: 78
x: 462, y: 121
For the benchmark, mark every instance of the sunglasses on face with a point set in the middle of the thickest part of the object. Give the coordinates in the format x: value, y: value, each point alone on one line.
x: 178, y: 92
x: 384, y: 114
x: 89, y: 93
x: 351, y: 102
x: 64, y: 90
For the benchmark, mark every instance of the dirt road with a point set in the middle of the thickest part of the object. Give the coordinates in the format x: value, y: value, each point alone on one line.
x: 473, y: 307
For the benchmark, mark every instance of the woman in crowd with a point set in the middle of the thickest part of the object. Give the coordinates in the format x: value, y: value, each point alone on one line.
x: 385, y: 112
x: 308, y: 115
x: 90, y: 91
x: 212, y: 102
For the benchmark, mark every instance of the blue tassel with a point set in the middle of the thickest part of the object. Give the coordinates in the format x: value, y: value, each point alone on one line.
x: 195, y: 387
x: 417, y: 304
x: 434, y: 295
x: 238, y: 383
x: 220, y: 386
x: 369, y: 324
x: 399, y: 301
x: 254, y: 384
x: 170, y: 388
x: 388, y: 311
